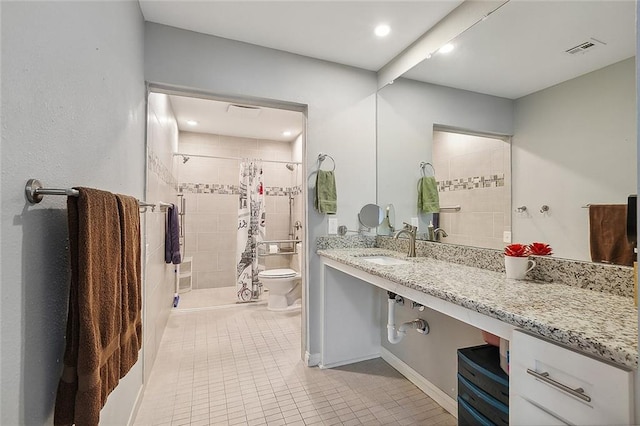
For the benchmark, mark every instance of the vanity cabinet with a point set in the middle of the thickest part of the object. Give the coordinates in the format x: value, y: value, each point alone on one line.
x: 553, y: 385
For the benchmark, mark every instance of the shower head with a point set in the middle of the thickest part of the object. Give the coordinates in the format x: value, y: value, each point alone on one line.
x: 290, y: 166
x: 185, y: 159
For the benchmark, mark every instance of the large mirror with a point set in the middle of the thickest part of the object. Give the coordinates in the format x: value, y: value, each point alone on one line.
x: 554, y: 80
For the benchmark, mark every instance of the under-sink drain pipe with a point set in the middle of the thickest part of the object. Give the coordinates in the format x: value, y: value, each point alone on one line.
x: 395, y: 335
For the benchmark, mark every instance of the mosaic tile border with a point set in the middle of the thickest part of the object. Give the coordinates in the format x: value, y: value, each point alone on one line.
x: 217, y: 188
x: 156, y: 166
x: 461, y: 184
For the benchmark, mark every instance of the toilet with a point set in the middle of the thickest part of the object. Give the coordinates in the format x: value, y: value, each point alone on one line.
x: 283, y: 284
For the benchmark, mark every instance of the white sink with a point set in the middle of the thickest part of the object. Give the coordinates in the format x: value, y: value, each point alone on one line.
x: 385, y: 260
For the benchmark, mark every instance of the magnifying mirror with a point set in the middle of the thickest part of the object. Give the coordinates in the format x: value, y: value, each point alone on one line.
x: 371, y: 216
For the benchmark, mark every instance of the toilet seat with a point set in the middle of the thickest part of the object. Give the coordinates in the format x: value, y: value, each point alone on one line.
x: 278, y: 273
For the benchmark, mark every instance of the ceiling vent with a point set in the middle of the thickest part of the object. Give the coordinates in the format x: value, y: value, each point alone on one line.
x: 244, y: 111
x: 585, y: 47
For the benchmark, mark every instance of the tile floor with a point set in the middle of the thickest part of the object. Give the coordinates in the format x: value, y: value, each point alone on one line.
x: 212, y: 297
x: 241, y: 366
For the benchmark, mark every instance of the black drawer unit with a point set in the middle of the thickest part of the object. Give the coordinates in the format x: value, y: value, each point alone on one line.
x: 483, y: 387
x: 495, y: 411
x: 468, y: 416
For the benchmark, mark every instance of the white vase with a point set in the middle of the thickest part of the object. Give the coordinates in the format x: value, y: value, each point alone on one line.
x: 517, y: 267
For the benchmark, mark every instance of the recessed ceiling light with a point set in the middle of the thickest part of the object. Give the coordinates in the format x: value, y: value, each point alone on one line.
x: 286, y: 133
x: 382, y: 30
x: 192, y: 122
x: 446, y: 48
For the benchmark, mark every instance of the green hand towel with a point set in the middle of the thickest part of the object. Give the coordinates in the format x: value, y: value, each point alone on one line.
x: 326, y: 200
x: 428, y: 200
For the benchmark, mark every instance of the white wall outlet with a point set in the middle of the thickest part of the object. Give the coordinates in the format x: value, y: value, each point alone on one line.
x: 332, y: 226
x: 506, y: 237
x: 414, y: 221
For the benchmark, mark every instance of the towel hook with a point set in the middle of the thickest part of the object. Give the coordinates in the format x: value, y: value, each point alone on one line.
x: 424, y: 164
x: 322, y: 157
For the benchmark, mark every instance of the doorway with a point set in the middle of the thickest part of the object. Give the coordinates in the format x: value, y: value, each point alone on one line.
x: 197, y: 146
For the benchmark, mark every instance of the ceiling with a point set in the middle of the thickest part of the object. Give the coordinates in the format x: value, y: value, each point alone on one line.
x: 224, y: 118
x: 521, y: 48
x: 336, y: 31
x: 518, y: 50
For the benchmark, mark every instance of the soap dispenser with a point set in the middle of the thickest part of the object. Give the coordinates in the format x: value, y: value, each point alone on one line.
x: 430, y: 234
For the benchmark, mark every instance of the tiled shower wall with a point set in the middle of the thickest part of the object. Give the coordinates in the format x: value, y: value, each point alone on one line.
x: 162, y: 141
x: 210, y: 189
x: 473, y: 172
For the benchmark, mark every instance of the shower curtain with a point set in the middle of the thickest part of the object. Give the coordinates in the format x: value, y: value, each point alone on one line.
x: 251, y: 229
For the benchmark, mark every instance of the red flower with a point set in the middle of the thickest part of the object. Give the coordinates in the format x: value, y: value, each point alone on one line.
x: 516, y: 250
x: 540, y: 249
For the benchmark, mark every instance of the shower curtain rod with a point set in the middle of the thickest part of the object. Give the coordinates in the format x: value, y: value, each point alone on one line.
x: 220, y: 157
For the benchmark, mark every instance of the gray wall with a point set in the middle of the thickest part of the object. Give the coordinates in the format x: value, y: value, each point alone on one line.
x: 72, y: 114
x: 433, y: 356
x: 407, y: 111
x: 574, y: 144
x: 340, y: 109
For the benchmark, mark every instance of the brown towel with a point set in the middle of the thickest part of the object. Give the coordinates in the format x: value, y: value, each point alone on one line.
x: 608, y: 234
x: 92, y: 353
x: 131, y: 333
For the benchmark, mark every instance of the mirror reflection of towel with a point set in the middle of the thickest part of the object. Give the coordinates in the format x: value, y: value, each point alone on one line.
x: 608, y: 234
x: 428, y: 199
x: 326, y: 199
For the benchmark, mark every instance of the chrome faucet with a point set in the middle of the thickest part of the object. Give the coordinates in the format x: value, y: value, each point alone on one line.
x: 438, y: 233
x: 411, y: 231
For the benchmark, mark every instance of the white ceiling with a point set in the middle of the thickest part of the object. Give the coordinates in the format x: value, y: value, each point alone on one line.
x: 215, y: 117
x: 518, y: 50
x: 337, y: 31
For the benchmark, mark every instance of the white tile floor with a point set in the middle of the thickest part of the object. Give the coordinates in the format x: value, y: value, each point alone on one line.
x: 241, y: 366
x: 212, y: 297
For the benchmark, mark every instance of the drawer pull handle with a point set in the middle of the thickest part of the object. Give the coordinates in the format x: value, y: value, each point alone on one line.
x: 578, y: 393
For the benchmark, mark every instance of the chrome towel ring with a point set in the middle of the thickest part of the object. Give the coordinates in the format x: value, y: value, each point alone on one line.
x: 322, y: 157
x: 423, y: 165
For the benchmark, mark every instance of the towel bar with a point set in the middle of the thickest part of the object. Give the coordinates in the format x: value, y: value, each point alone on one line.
x: 34, y: 192
x: 164, y: 206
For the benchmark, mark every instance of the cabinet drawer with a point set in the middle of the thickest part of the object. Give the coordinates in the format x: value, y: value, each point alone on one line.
x: 571, y: 386
x: 530, y: 415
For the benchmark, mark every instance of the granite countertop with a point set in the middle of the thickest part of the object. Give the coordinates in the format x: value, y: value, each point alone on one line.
x: 596, y: 323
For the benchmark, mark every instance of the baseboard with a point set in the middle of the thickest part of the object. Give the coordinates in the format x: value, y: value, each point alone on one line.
x: 440, y: 397
x: 311, y: 360
x: 136, y: 406
x: 350, y: 361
